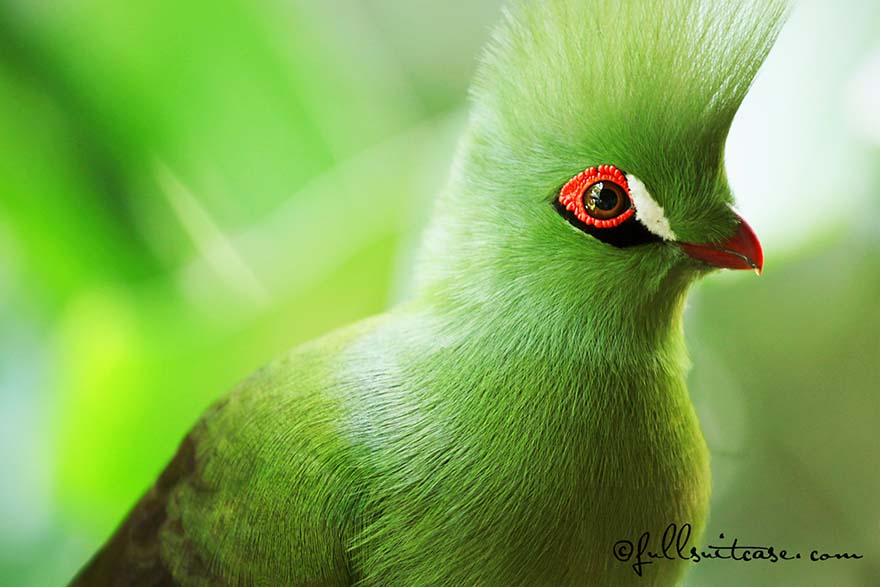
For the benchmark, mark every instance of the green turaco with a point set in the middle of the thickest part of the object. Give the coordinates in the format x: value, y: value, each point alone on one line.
x: 526, y: 408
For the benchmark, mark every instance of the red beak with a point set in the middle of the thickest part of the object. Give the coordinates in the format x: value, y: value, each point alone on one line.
x: 741, y: 251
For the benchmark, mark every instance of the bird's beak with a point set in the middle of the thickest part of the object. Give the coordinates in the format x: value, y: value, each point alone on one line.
x: 741, y: 251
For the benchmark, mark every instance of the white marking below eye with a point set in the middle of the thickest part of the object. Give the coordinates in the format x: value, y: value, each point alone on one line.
x: 648, y: 211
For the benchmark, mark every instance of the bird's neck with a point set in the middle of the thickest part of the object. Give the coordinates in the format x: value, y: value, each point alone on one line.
x: 602, y: 323
x: 540, y: 351
x: 552, y: 389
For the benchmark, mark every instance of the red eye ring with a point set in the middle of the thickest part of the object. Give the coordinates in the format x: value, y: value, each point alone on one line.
x: 571, y: 195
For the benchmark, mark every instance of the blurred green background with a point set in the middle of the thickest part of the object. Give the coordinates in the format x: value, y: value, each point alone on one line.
x: 188, y: 189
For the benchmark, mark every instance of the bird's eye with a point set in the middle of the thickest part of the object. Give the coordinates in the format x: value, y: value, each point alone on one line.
x: 599, y: 202
x: 598, y: 197
x: 605, y: 200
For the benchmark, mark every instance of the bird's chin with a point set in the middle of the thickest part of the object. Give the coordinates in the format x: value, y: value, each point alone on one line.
x: 741, y: 251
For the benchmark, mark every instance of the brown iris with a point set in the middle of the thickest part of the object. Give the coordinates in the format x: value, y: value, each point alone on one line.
x: 605, y: 200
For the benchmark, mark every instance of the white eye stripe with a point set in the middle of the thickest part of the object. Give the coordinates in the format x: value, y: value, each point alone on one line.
x: 648, y: 211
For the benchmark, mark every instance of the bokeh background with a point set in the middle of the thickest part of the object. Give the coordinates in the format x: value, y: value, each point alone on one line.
x: 187, y: 189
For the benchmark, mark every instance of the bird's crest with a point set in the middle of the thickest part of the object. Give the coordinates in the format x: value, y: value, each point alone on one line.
x: 573, y: 73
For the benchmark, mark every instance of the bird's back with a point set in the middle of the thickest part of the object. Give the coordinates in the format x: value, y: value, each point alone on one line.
x: 259, y: 492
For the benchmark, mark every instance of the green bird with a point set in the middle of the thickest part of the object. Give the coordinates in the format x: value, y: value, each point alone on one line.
x: 525, y: 409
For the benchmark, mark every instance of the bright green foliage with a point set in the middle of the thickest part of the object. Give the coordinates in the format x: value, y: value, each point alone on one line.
x: 527, y: 408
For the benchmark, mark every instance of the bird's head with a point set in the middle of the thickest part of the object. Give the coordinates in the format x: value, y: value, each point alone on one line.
x: 592, y: 167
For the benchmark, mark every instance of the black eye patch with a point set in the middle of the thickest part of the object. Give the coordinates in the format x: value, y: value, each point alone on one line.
x: 628, y: 234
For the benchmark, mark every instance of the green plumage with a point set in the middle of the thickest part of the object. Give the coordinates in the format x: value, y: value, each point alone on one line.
x: 527, y: 407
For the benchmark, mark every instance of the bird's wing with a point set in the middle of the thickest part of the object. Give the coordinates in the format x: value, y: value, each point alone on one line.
x: 132, y: 555
x: 259, y: 492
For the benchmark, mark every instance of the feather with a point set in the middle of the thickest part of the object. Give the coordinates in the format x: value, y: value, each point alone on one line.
x: 527, y: 408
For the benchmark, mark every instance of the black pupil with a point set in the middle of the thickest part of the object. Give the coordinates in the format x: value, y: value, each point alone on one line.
x: 606, y: 199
